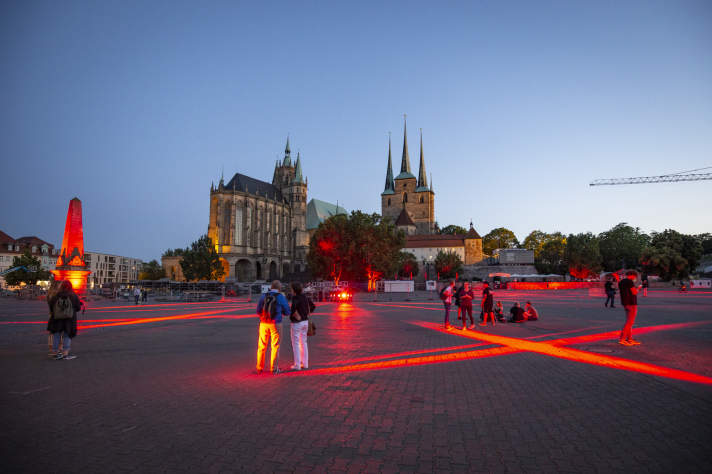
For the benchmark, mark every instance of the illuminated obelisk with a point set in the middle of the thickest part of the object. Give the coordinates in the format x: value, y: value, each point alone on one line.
x: 70, y: 264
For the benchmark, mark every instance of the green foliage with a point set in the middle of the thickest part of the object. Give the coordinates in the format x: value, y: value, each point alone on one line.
x: 672, y: 255
x: 447, y: 264
x: 355, y: 247
x: 499, y: 238
x: 621, y: 247
x: 552, y: 257
x: 201, y: 261
x: 583, y: 255
x: 535, y: 241
x: 407, y: 264
x: 705, y: 241
x: 152, y: 271
x: 173, y: 252
x: 30, y: 276
x: 453, y: 230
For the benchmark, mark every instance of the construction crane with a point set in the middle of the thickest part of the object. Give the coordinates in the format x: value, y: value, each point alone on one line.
x: 665, y: 178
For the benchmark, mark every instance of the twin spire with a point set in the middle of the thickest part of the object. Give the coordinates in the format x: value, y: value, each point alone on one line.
x: 422, y: 183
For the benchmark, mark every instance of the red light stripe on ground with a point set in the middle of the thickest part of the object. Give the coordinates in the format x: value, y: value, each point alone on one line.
x: 408, y: 362
x: 408, y: 353
x: 616, y: 334
x: 154, y: 320
x: 550, y: 349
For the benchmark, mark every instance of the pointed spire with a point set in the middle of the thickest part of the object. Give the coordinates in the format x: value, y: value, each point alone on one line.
x: 405, y: 160
x: 422, y: 177
x: 298, y: 171
x: 287, y: 155
x: 431, y: 182
x: 390, y: 186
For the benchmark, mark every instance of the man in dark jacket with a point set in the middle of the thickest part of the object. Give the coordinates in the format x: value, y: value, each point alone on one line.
x: 629, y: 300
x: 64, y: 303
x: 610, y: 293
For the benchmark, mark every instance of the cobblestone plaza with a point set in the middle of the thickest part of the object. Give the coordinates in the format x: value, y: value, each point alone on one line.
x: 170, y: 388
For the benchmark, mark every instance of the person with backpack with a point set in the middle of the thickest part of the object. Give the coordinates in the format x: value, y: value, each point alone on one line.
x: 446, y: 294
x: 302, y: 306
x: 270, y: 308
x: 456, y: 299
x: 63, y: 320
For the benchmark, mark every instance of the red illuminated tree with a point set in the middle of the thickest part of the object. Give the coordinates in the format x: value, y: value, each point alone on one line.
x: 583, y: 256
x: 407, y: 265
x: 356, y: 247
x: 447, y: 264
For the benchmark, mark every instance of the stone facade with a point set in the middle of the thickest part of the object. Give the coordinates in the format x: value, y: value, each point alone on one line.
x: 406, y: 192
x: 426, y: 247
x: 259, y: 229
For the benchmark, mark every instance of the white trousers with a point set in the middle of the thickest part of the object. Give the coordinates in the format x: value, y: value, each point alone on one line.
x: 299, y: 344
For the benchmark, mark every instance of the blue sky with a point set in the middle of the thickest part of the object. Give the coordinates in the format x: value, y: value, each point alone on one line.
x: 135, y: 107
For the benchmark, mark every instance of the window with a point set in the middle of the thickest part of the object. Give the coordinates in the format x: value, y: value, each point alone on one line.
x: 405, y: 197
x: 389, y: 201
x: 238, y: 226
x: 421, y: 200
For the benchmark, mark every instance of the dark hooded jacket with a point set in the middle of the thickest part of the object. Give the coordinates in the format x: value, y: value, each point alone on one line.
x: 67, y: 325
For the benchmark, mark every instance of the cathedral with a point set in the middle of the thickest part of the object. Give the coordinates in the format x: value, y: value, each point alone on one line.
x: 407, y: 200
x: 259, y: 229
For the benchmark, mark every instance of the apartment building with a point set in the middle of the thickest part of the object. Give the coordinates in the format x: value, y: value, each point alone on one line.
x: 108, y: 268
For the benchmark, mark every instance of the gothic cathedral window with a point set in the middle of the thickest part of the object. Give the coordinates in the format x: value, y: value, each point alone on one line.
x: 421, y: 200
x: 389, y: 201
x: 405, y: 197
x: 238, y: 226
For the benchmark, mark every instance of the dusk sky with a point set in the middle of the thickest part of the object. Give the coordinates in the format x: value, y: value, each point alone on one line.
x: 135, y: 107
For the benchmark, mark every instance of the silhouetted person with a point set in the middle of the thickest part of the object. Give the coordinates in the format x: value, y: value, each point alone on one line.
x: 629, y: 300
x: 63, y: 320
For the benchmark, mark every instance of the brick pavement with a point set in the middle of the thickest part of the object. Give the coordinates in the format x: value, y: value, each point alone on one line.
x: 178, y: 394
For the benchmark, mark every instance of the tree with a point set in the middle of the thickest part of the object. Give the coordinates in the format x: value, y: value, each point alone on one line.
x: 672, y: 254
x: 622, y: 246
x: 499, y: 238
x: 173, y: 252
x: 447, y: 264
x: 152, y: 271
x: 201, y: 261
x: 583, y: 255
x: 407, y: 265
x: 535, y: 241
x: 552, y: 257
x: 453, y: 230
x: 355, y: 247
x: 706, y: 241
x: 32, y: 272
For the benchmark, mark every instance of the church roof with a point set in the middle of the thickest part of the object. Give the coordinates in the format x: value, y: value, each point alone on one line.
x: 405, y: 159
x: 318, y: 211
x: 472, y: 233
x: 6, y: 239
x: 243, y: 183
x: 404, y: 219
x: 434, y: 241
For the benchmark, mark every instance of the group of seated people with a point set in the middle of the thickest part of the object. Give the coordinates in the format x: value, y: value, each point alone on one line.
x: 517, y: 313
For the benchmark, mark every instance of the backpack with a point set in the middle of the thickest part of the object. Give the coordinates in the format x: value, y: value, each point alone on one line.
x: 63, y: 308
x: 269, y: 310
x: 443, y: 296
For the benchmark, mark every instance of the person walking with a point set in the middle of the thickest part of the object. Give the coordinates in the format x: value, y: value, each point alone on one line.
x: 63, y: 320
x: 137, y: 294
x: 270, y: 308
x: 487, y: 304
x: 610, y: 293
x: 466, y: 297
x: 302, y: 306
x: 629, y: 300
x: 446, y: 295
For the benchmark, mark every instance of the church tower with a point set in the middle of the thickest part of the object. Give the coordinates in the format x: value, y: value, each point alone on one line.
x: 297, y: 195
x: 409, y: 194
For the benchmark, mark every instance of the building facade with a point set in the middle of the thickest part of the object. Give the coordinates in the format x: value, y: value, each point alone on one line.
x: 259, y: 229
x: 408, y: 193
x: 11, y: 248
x: 426, y: 247
x: 108, y: 268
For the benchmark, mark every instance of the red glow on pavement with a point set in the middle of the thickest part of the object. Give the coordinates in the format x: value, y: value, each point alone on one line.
x: 615, y: 334
x: 408, y: 353
x: 411, y: 361
x: 551, y: 349
x: 155, y: 320
x: 134, y: 306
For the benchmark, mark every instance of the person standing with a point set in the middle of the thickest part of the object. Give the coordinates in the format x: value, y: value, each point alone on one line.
x: 63, y: 320
x: 629, y: 300
x: 466, y: 297
x: 302, y: 306
x: 610, y: 293
x: 270, y: 308
x: 446, y: 295
x: 645, y: 285
x: 137, y: 294
x: 54, y: 288
x: 487, y: 304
